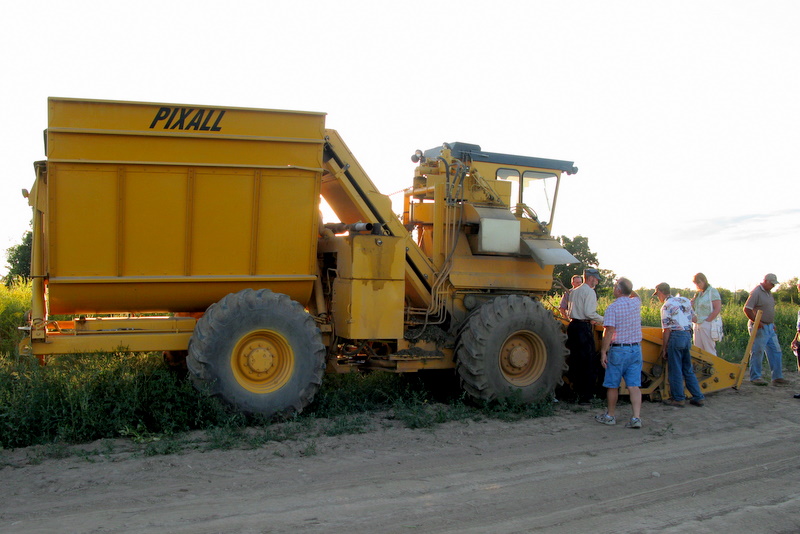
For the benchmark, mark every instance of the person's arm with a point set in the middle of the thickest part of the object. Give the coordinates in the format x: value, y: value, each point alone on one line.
x: 563, y: 307
x: 665, y: 330
x: 591, y: 309
x: 608, y: 335
x: 716, y: 306
x: 750, y: 305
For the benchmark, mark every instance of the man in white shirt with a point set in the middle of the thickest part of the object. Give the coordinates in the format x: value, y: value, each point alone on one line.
x: 583, y: 360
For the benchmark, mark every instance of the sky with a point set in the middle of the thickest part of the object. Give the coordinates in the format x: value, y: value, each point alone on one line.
x: 681, y: 116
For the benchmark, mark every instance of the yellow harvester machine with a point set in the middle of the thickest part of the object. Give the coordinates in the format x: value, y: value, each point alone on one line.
x: 196, y: 230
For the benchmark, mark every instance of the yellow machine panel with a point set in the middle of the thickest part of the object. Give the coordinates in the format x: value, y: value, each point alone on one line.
x: 87, y: 128
x: 368, y: 257
x: 368, y: 309
x: 143, y: 199
x: 369, y: 291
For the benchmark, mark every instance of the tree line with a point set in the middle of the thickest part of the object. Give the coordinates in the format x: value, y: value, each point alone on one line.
x: 18, y: 260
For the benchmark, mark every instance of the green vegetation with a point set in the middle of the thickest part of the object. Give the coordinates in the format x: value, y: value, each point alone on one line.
x: 579, y: 247
x: 736, y: 337
x: 15, y: 301
x: 78, y: 398
x: 86, y: 397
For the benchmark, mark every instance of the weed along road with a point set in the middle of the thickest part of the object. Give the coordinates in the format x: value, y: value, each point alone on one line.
x: 732, y: 465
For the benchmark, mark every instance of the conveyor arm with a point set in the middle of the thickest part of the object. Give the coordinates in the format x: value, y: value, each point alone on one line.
x: 354, y: 198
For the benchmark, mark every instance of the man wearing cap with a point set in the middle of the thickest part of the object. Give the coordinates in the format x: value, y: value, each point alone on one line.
x: 676, y: 343
x: 621, y: 352
x: 584, y: 362
x: 767, y: 338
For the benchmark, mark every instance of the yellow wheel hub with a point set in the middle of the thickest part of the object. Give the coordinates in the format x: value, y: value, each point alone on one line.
x: 262, y: 361
x: 523, y: 358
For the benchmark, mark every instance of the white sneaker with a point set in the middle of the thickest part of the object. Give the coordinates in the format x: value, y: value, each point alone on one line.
x: 635, y: 422
x: 605, y: 419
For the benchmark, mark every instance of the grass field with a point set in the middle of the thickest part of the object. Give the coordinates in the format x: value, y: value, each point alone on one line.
x: 79, y: 398
x: 15, y: 301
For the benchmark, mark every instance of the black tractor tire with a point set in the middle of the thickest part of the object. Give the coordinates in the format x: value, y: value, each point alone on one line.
x: 512, y: 348
x: 259, y: 352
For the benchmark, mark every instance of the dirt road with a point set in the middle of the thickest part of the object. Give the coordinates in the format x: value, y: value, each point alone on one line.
x: 732, y: 466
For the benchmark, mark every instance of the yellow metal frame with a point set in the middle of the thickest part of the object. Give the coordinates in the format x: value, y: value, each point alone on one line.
x: 132, y: 334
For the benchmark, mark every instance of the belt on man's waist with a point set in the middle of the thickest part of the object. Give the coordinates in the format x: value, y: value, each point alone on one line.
x: 625, y: 344
x: 582, y: 320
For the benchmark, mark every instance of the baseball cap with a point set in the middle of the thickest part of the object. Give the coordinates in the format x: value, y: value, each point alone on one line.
x: 663, y: 287
x: 771, y: 278
x: 592, y: 272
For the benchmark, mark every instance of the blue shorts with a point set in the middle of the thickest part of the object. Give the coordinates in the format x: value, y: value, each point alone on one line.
x: 624, y: 362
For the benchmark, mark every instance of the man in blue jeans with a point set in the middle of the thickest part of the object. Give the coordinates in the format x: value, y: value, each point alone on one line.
x: 766, y: 339
x: 676, y: 336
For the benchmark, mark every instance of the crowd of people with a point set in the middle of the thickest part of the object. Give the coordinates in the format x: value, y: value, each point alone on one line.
x: 684, y: 322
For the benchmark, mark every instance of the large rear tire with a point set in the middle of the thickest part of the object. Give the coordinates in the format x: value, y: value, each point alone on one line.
x: 258, y: 351
x: 512, y: 348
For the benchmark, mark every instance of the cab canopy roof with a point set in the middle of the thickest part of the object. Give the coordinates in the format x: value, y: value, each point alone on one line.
x: 470, y: 152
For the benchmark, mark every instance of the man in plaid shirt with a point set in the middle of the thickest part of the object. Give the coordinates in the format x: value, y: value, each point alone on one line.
x: 621, y: 352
